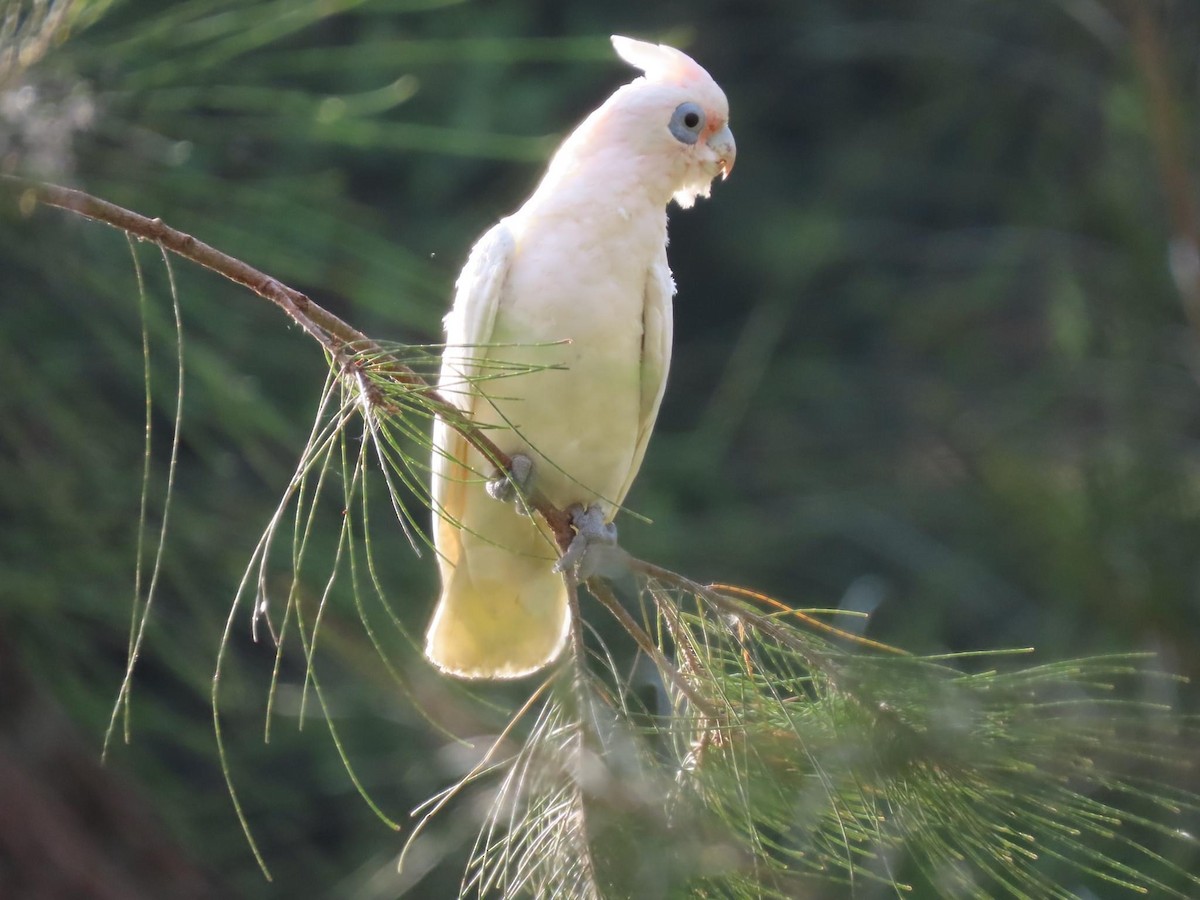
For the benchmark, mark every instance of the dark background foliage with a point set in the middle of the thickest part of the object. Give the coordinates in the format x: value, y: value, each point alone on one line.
x: 932, y: 361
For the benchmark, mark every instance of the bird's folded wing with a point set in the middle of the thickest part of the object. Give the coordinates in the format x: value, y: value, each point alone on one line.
x: 469, y: 326
x: 657, y: 325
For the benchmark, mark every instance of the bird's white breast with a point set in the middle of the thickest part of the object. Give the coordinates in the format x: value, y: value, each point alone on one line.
x: 577, y: 286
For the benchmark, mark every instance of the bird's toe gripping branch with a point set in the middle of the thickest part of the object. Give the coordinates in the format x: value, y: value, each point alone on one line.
x: 513, y: 486
x: 593, y: 550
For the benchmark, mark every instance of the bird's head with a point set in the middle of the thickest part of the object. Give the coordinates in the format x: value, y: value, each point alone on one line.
x: 665, y: 133
x: 676, y: 115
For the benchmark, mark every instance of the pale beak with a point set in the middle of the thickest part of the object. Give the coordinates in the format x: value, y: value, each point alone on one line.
x: 723, y: 145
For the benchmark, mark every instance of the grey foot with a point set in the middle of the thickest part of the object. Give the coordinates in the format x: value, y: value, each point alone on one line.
x: 593, y: 550
x: 511, y: 486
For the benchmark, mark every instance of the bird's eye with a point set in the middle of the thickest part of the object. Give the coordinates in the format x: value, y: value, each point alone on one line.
x: 687, y: 122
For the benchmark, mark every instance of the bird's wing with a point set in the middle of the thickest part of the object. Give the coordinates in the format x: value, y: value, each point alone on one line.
x: 469, y: 327
x: 657, y: 324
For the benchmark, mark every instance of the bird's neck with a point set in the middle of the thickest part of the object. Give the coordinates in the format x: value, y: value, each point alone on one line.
x: 585, y: 172
x: 621, y: 212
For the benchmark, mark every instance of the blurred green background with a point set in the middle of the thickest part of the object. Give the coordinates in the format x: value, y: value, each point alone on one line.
x: 933, y: 360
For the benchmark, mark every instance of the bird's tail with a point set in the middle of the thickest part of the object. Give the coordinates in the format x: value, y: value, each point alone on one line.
x: 499, y: 627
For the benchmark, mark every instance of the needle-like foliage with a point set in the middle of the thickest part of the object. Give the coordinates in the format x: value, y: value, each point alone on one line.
x: 764, y: 758
x: 29, y: 29
x: 809, y: 765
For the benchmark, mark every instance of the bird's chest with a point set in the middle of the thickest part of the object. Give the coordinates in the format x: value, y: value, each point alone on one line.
x: 571, y: 316
x: 580, y: 284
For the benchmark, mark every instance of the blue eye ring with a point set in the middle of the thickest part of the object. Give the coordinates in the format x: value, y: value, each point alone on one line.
x: 687, y: 122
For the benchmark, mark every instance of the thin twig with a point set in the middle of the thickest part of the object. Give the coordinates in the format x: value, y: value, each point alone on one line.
x: 600, y: 590
x: 742, y: 610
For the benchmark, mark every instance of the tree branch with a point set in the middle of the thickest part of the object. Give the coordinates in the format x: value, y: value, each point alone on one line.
x: 352, y: 350
x: 340, y: 339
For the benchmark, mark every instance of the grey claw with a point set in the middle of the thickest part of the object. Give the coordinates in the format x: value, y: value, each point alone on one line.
x: 511, y: 486
x: 593, y: 550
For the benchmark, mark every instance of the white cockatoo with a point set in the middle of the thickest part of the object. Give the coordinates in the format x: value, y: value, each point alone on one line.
x: 572, y: 293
